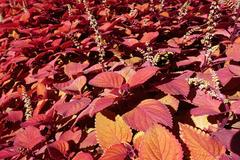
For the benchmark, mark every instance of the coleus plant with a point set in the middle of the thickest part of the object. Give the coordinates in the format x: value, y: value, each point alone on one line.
x: 119, y: 80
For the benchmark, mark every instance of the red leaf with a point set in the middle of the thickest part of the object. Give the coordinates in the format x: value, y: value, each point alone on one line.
x: 22, y: 138
x: 72, y: 86
x: 38, y: 120
x: 82, y: 156
x: 90, y: 140
x: 115, y: 152
x: 107, y: 80
x: 99, y: 104
x: 74, y: 68
x: 177, y: 86
x: 130, y: 42
x: 147, y: 113
x: 65, y: 28
x: 73, y: 107
x: 142, y: 75
x: 58, y: 149
x: 149, y: 37
x: 71, y: 136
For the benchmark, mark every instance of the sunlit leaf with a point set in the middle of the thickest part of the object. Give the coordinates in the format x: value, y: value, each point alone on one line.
x: 200, y: 144
x: 142, y: 75
x: 107, y: 80
x: 146, y: 113
x: 116, y: 152
x: 111, y: 132
x: 159, y: 144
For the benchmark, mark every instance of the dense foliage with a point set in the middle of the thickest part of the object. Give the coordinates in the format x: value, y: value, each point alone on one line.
x: 120, y: 79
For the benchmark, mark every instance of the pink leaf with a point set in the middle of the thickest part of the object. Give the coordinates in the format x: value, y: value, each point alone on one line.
x: 74, y: 68
x: 72, y: 85
x: 205, y: 104
x: 73, y: 107
x: 147, y: 113
x: 107, y: 80
x: 142, y: 75
x: 90, y: 140
x: 177, y: 86
x: 234, y: 69
x: 14, y: 116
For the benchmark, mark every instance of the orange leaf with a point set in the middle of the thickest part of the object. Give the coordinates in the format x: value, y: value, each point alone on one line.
x: 171, y: 101
x: 159, y: 144
x: 137, y: 140
x: 111, y: 132
x: 115, y: 152
x: 25, y: 17
x: 200, y: 144
x: 41, y: 90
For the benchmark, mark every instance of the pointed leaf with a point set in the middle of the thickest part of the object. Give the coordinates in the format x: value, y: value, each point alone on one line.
x: 159, y: 144
x: 149, y: 37
x: 111, y: 132
x: 58, y: 149
x: 74, y: 68
x: 137, y: 140
x: 116, y: 152
x: 71, y: 136
x: 73, y: 107
x: 22, y: 138
x: 90, y: 140
x: 200, y: 144
x: 147, y: 113
x: 209, y: 106
x: 82, y: 156
x: 107, y: 80
x: 142, y: 75
x: 100, y: 103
